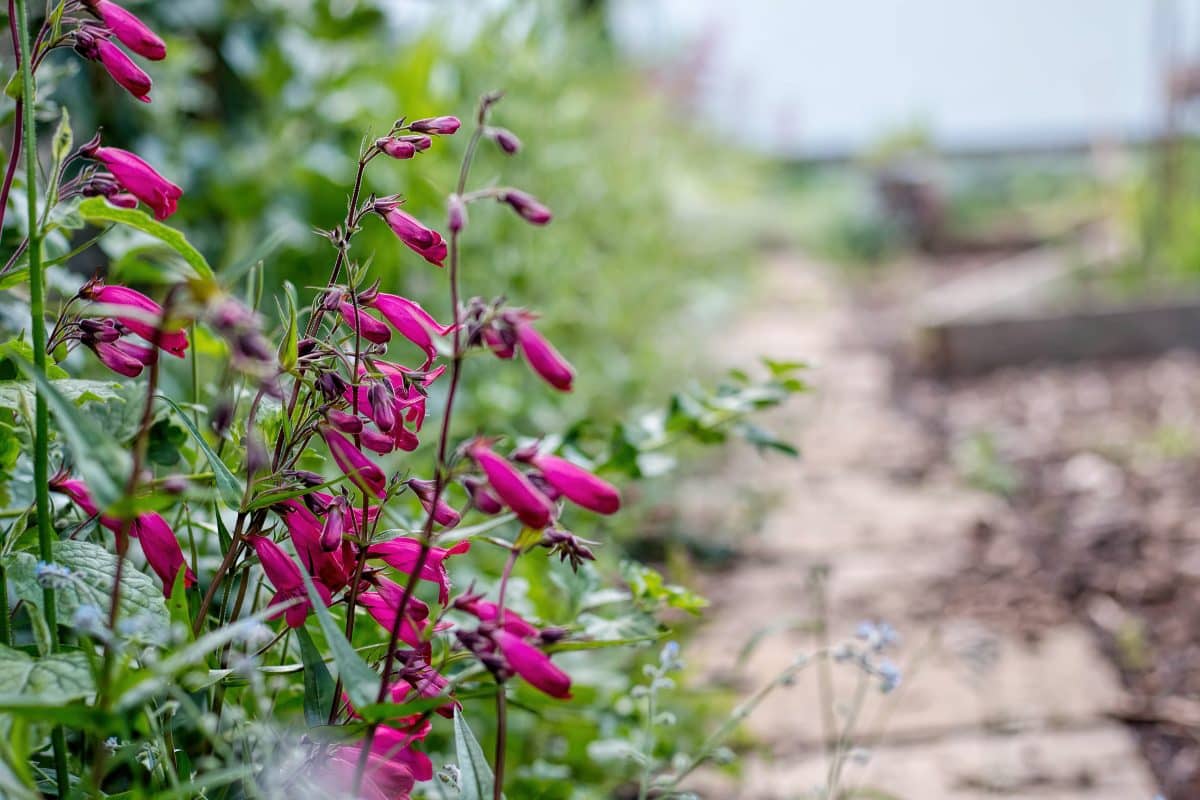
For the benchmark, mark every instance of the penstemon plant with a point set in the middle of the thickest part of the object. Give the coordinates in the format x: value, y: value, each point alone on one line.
x: 116, y: 683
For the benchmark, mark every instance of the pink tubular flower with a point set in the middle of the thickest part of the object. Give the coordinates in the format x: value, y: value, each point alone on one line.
x: 543, y: 359
x: 396, y: 148
x: 132, y: 32
x: 285, y: 576
x: 377, y: 442
x: 443, y: 514
x: 487, y: 611
x: 533, y: 665
x: 438, y: 125
x: 578, y: 485
x: 174, y: 342
x: 367, y: 326
x: 482, y: 496
x: 140, y: 179
x: 402, y: 554
x: 121, y: 69
x: 424, y: 241
x: 526, y: 205
x: 383, y: 778
x: 307, y: 534
x: 411, y: 321
x: 364, y: 473
x: 346, y: 423
x: 122, y: 357
x: 531, y: 506
x: 162, y: 550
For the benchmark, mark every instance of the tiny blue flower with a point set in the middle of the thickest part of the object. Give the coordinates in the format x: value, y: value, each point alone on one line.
x: 889, y: 676
x: 51, y: 576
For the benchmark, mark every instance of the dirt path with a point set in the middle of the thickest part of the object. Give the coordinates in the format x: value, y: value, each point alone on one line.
x: 979, y: 713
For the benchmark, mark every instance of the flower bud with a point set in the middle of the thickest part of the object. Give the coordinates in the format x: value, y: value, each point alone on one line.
x: 396, y: 148
x: 335, y: 523
x: 332, y: 385
x: 419, y: 141
x: 443, y: 514
x: 377, y: 442
x: 437, y: 125
x: 506, y: 139
x: 127, y: 27
x: 456, y: 213
x: 526, y: 205
x: 346, y: 423
x: 543, y: 358
x: 482, y: 497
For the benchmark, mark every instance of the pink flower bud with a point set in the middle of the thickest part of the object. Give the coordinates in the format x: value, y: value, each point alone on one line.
x: 139, y: 178
x: 419, y: 141
x: 482, y: 497
x: 533, y: 665
x: 578, y: 485
x: 123, y: 200
x: 543, y: 359
x: 162, y: 550
x: 367, y: 326
x: 132, y: 32
x: 456, y: 214
x: 346, y: 423
x: 383, y: 405
x: 532, y: 507
x: 487, y: 611
x: 123, y: 358
x: 173, y: 341
x: 439, y: 125
x: 526, y: 205
x: 506, y: 139
x: 424, y: 241
x: 396, y: 148
x: 335, y: 525
x: 121, y: 69
x: 443, y: 513
x: 350, y: 460
x: 502, y: 342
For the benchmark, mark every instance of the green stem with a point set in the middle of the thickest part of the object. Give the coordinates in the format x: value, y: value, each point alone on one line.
x: 37, y: 313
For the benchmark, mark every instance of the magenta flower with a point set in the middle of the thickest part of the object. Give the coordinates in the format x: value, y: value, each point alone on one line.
x: 502, y: 342
x: 377, y: 442
x: 139, y: 178
x: 396, y: 148
x: 364, y: 473
x: 443, y: 513
x: 420, y: 141
x: 578, y: 485
x: 531, y: 506
x: 526, y: 205
x: 121, y: 69
x: 285, y: 576
x: 424, y: 241
x: 387, y: 775
x: 486, y: 611
x: 401, y: 554
x: 346, y: 423
x: 542, y: 358
x: 123, y: 357
x: 506, y: 139
x: 411, y: 321
x: 174, y: 341
x: 482, y: 496
x: 533, y: 665
x: 438, y: 125
x: 162, y: 550
x: 307, y: 534
x: 367, y: 326
x: 132, y: 32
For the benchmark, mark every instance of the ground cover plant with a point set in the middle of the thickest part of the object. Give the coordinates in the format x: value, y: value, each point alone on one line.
x: 252, y: 555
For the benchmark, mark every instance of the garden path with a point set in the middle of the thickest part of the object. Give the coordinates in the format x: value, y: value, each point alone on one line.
x: 980, y: 713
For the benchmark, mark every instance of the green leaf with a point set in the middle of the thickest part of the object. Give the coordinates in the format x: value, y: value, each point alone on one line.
x: 97, y: 210
x: 475, y: 781
x: 19, y: 348
x: 92, y: 570
x: 360, y: 681
x: 318, y: 685
x: 56, y: 678
x: 230, y: 487
x: 102, y: 463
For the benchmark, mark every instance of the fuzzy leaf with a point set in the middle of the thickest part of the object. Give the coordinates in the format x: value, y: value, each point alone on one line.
x: 476, y: 781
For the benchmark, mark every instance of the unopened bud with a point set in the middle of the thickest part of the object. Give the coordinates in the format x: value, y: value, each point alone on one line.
x: 506, y: 139
x: 456, y: 213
